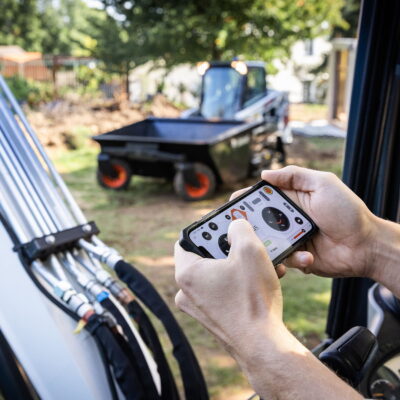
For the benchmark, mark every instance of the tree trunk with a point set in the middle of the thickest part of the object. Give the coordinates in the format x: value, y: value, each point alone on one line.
x: 127, y: 71
x: 215, y: 51
x: 54, y: 69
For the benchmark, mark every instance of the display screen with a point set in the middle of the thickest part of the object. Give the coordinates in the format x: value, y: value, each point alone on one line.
x: 276, y: 222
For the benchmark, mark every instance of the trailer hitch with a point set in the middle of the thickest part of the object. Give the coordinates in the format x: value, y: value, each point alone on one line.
x: 189, y: 174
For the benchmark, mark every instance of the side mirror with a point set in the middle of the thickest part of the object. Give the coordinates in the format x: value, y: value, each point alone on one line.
x: 350, y: 355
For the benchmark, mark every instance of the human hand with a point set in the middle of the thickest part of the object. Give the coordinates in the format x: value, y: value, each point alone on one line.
x: 236, y: 297
x: 347, y: 229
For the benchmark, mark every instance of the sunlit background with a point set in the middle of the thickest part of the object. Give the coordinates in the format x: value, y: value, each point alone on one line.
x: 84, y: 68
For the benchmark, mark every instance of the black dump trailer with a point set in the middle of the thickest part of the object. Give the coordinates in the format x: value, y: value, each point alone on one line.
x: 195, y: 154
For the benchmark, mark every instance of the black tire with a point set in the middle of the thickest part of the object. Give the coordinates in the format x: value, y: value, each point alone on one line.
x: 121, y: 182
x: 190, y: 193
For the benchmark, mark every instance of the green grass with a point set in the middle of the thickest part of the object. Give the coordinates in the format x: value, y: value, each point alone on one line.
x: 321, y: 153
x: 330, y: 151
x: 144, y: 222
x: 306, y: 299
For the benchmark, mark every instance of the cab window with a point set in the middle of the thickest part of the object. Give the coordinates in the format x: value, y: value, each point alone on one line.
x: 256, y: 86
x: 221, y: 93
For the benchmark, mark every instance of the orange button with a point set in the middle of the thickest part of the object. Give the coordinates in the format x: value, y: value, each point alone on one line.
x: 238, y: 214
x: 268, y: 190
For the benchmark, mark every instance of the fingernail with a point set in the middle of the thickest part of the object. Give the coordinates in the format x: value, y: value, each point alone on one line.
x: 304, y: 259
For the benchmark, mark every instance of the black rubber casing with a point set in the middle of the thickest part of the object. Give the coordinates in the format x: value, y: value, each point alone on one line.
x: 188, y: 245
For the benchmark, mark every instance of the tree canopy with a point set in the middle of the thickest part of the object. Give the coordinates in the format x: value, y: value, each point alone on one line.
x: 50, y: 27
x: 179, y: 31
x: 20, y: 24
x: 126, y: 33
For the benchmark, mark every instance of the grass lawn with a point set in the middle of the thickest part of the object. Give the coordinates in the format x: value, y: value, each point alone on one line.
x: 143, y: 223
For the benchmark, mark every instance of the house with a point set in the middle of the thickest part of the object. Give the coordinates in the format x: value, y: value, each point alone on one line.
x: 16, y: 61
x: 299, y: 76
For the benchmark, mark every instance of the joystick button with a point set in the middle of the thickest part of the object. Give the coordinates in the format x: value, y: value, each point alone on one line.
x: 206, y: 236
x: 223, y: 244
x: 213, y: 226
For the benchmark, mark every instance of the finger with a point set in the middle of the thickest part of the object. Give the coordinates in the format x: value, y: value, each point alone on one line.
x: 293, y: 178
x: 186, y: 265
x: 238, y: 193
x: 186, y: 305
x: 185, y: 257
x: 300, y: 260
x: 246, y: 246
x: 280, y: 270
x: 181, y: 300
x: 240, y: 234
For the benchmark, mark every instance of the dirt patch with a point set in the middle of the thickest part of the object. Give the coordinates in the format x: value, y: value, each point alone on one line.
x: 62, y: 123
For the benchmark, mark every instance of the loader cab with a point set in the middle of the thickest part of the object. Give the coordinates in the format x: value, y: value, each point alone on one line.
x: 228, y: 87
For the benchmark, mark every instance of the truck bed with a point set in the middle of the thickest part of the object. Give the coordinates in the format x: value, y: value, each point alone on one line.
x: 175, y: 130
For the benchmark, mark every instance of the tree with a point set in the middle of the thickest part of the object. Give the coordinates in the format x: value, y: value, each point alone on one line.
x: 350, y: 14
x: 48, y: 26
x: 179, y: 31
x: 115, y: 46
x: 67, y: 27
x: 20, y: 24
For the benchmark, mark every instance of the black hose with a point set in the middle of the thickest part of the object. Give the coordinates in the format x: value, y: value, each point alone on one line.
x: 124, y: 373
x: 14, y: 381
x: 107, y: 369
x: 193, y: 380
x: 147, y: 331
x: 58, y: 303
x: 133, y: 351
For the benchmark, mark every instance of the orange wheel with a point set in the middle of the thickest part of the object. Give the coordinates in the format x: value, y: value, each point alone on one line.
x: 197, y: 192
x: 122, y: 178
x: 207, y: 181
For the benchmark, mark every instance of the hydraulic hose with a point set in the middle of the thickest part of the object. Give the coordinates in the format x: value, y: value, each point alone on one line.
x: 135, y: 352
x: 14, y: 382
x: 60, y: 305
x: 147, y: 331
x: 124, y: 373
x: 33, y: 208
x: 193, y: 379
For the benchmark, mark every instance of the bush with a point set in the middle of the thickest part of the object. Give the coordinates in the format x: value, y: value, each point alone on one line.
x: 78, y: 137
x: 30, y: 91
x: 90, y: 79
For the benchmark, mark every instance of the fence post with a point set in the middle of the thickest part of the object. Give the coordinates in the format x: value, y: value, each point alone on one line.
x: 21, y: 70
x: 54, y: 69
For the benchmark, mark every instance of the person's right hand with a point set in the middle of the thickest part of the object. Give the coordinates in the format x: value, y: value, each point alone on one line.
x: 343, y: 246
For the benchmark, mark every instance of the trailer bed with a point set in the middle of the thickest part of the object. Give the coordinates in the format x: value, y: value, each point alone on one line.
x: 176, y: 130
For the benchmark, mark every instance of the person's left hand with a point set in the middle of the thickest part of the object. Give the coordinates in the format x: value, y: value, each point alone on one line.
x: 236, y: 297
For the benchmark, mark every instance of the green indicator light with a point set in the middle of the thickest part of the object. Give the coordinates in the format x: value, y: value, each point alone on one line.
x: 267, y: 243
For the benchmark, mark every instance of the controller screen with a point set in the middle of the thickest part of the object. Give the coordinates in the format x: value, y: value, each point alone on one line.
x: 275, y: 221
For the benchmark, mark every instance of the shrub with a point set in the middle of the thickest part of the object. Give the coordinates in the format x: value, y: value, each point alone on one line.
x: 30, y: 91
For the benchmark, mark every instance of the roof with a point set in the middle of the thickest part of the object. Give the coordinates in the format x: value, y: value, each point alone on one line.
x: 18, y: 55
x: 11, y: 50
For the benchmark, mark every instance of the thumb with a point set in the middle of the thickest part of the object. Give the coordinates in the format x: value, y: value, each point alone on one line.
x: 241, y: 237
x: 248, y: 252
x: 292, y: 178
